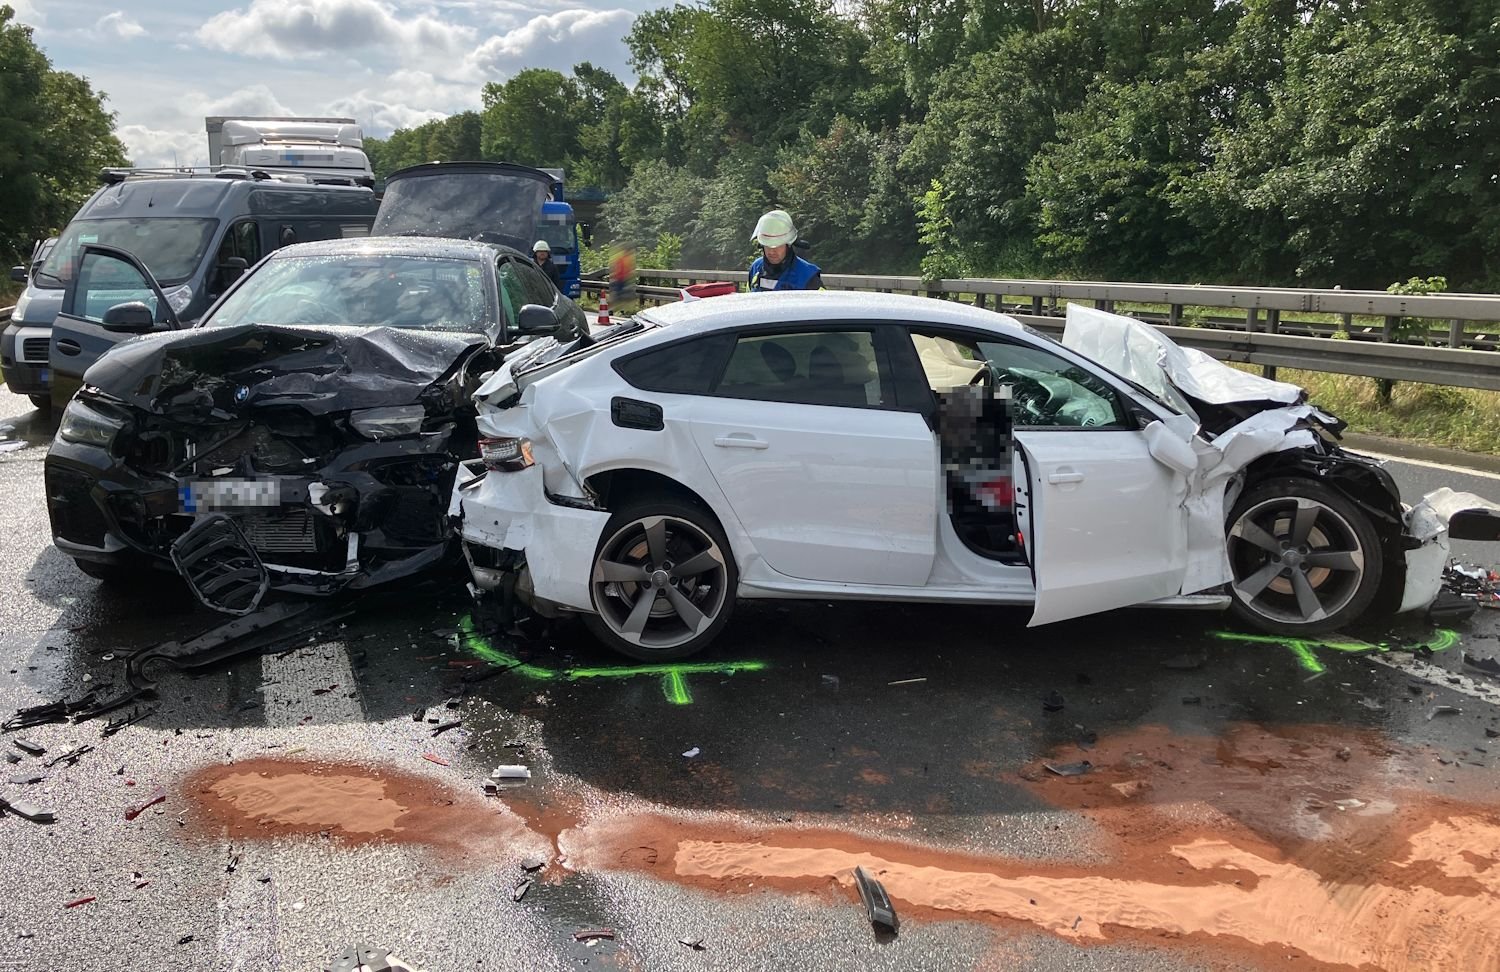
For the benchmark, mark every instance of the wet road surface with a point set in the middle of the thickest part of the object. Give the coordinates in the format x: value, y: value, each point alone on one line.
x: 1247, y: 804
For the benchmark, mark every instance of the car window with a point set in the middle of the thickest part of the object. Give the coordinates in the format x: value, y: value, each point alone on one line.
x: 170, y: 247
x: 1047, y: 390
x: 686, y: 367
x: 104, y: 281
x: 809, y: 368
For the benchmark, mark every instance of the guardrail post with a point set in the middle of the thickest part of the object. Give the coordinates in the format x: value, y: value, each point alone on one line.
x: 1456, y: 333
x: 1036, y: 306
x: 1174, y: 315
x: 1389, y: 330
x: 1251, y: 317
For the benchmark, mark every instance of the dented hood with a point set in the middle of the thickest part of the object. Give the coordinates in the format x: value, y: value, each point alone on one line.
x: 205, y: 371
x: 1148, y: 357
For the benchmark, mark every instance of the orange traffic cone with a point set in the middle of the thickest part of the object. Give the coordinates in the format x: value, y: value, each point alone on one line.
x: 604, y: 306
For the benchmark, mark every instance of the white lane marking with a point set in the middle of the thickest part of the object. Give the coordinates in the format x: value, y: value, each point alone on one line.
x: 1461, y: 470
x: 1440, y: 677
x: 251, y: 914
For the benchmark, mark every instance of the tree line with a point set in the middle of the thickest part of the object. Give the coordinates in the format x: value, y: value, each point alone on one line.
x: 1291, y: 142
x: 55, y: 136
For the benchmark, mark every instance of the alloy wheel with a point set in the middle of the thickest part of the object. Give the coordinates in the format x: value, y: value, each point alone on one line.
x: 659, y: 582
x: 1295, y: 559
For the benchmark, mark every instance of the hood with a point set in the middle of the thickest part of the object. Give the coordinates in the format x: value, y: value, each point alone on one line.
x: 217, y: 372
x: 37, y: 306
x: 1181, y: 377
x: 493, y: 202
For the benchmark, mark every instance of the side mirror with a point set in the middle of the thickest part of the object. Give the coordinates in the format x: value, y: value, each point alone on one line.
x: 232, y: 268
x: 18, y: 274
x: 536, y: 319
x: 1169, y: 449
x: 133, y: 317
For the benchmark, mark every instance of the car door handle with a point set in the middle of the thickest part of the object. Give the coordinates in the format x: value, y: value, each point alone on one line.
x: 69, y: 347
x: 1065, y: 475
x: 740, y: 440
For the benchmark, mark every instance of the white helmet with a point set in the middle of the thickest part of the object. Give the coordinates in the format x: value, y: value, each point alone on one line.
x: 540, y: 245
x: 775, y: 229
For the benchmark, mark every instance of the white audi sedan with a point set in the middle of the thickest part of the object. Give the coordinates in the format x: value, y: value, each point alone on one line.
x: 868, y: 446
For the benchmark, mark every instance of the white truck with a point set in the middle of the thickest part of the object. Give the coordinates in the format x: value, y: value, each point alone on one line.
x: 323, y: 150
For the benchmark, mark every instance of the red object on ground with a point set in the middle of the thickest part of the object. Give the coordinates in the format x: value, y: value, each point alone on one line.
x: 156, y: 797
x: 80, y: 901
x: 435, y: 758
x: 716, y: 289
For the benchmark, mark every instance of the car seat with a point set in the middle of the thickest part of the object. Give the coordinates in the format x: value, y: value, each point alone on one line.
x: 838, y: 376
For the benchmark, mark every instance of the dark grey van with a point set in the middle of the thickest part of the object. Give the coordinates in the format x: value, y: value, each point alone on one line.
x: 196, y: 233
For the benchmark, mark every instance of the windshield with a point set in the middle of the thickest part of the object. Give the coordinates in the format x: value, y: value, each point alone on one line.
x: 170, y: 247
x: 492, y: 206
x: 558, y: 232
x: 425, y: 293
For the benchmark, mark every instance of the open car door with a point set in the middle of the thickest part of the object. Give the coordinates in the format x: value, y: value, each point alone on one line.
x: 1103, y: 521
x: 111, y: 297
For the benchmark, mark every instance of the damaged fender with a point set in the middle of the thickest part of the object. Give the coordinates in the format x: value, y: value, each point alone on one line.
x: 1442, y: 514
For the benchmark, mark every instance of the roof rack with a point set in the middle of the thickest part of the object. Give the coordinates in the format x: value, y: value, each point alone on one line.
x: 117, y: 174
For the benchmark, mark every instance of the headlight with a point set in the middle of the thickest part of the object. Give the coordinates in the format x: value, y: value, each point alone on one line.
x: 506, y: 454
x: 179, y: 298
x: 83, y: 425
x: 388, y: 423
x: 18, y: 315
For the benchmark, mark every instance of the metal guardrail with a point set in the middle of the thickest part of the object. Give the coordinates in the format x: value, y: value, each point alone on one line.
x: 1266, y: 332
x: 5, y: 313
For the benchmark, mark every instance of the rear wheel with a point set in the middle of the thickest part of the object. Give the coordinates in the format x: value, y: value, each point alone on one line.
x: 1305, y: 559
x: 663, y: 581
x: 42, y: 403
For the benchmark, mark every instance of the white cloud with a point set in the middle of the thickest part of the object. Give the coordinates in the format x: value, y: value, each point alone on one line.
x: 288, y: 29
x: 557, y: 41
x: 27, y: 13
x: 156, y: 147
x: 379, y: 118
x: 118, y: 26
x: 257, y: 99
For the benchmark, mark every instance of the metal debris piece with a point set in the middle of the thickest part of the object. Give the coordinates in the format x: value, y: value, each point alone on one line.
x: 590, y: 934
x: 1069, y: 769
x: 80, y: 901
x: 877, y: 903
x: 1490, y: 666
x: 70, y: 757
x: 11, y: 757
x: 157, y: 796
x: 439, y: 730
x: 696, y: 944
x: 907, y: 681
x: 186, y: 938
x: 1053, y: 702
x: 509, y: 772
x: 1443, y: 710
x: 435, y: 758
x: 136, y: 715
x: 532, y: 864
x: 38, y: 715
x: 519, y: 891
x: 29, y: 811
x: 26, y: 779
x: 26, y: 745
x: 1492, y: 733
x: 419, y: 715
x: 691, y: 753
x: 362, y: 958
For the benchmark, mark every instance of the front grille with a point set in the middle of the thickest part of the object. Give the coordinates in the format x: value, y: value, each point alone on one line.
x: 289, y: 531
x: 417, y: 515
x: 34, y: 350
x: 75, y: 515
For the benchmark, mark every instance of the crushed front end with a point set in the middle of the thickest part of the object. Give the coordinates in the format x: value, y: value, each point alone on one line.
x: 305, y: 460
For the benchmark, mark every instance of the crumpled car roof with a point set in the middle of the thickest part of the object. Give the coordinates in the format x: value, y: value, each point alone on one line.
x: 318, y: 369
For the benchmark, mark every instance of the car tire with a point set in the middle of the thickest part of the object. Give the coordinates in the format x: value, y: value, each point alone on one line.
x: 1305, y: 559
x: 645, y: 604
x: 42, y: 403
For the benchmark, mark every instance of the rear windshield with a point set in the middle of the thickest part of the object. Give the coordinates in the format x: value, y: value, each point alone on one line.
x: 171, y: 247
x: 495, y: 207
x: 427, y: 293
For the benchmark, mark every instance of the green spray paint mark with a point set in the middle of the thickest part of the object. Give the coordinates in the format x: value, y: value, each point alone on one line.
x: 1305, y: 650
x: 673, y: 684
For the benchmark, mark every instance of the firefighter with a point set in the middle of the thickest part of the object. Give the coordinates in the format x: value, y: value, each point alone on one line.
x: 541, y: 252
x: 778, y: 268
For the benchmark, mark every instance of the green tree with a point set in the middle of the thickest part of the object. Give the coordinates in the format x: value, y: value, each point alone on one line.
x: 534, y: 119
x: 55, y: 136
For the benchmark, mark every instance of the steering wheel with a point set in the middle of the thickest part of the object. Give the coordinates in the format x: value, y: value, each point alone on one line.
x: 1029, y: 396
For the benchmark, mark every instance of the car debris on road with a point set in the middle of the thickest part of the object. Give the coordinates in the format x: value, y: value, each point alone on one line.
x: 878, y: 906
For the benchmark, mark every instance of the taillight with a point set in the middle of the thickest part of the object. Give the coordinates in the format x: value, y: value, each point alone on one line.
x: 505, y: 454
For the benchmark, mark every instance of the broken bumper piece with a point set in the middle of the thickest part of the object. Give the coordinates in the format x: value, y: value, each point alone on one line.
x: 1442, y: 515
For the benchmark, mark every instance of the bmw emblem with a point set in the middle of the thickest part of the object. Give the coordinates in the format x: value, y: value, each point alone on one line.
x: 241, y: 393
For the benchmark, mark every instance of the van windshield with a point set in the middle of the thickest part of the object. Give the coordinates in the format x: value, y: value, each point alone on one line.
x: 493, y: 206
x: 170, y: 247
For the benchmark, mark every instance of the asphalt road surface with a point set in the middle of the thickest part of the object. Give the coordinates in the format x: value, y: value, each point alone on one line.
x: 1247, y: 803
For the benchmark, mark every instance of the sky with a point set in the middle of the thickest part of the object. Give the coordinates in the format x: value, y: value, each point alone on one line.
x: 167, y: 64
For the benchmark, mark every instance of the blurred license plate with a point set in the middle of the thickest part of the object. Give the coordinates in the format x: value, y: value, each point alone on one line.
x: 218, y: 494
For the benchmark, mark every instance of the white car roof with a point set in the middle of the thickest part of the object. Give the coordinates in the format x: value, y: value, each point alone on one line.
x: 740, y: 310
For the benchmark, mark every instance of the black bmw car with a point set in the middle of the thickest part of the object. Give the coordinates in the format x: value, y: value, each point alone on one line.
x: 304, y: 435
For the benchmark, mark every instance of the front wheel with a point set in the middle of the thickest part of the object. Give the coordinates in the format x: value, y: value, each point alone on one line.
x: 1305, y: 559
x: 42, y: 403
x: 663, y: 581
